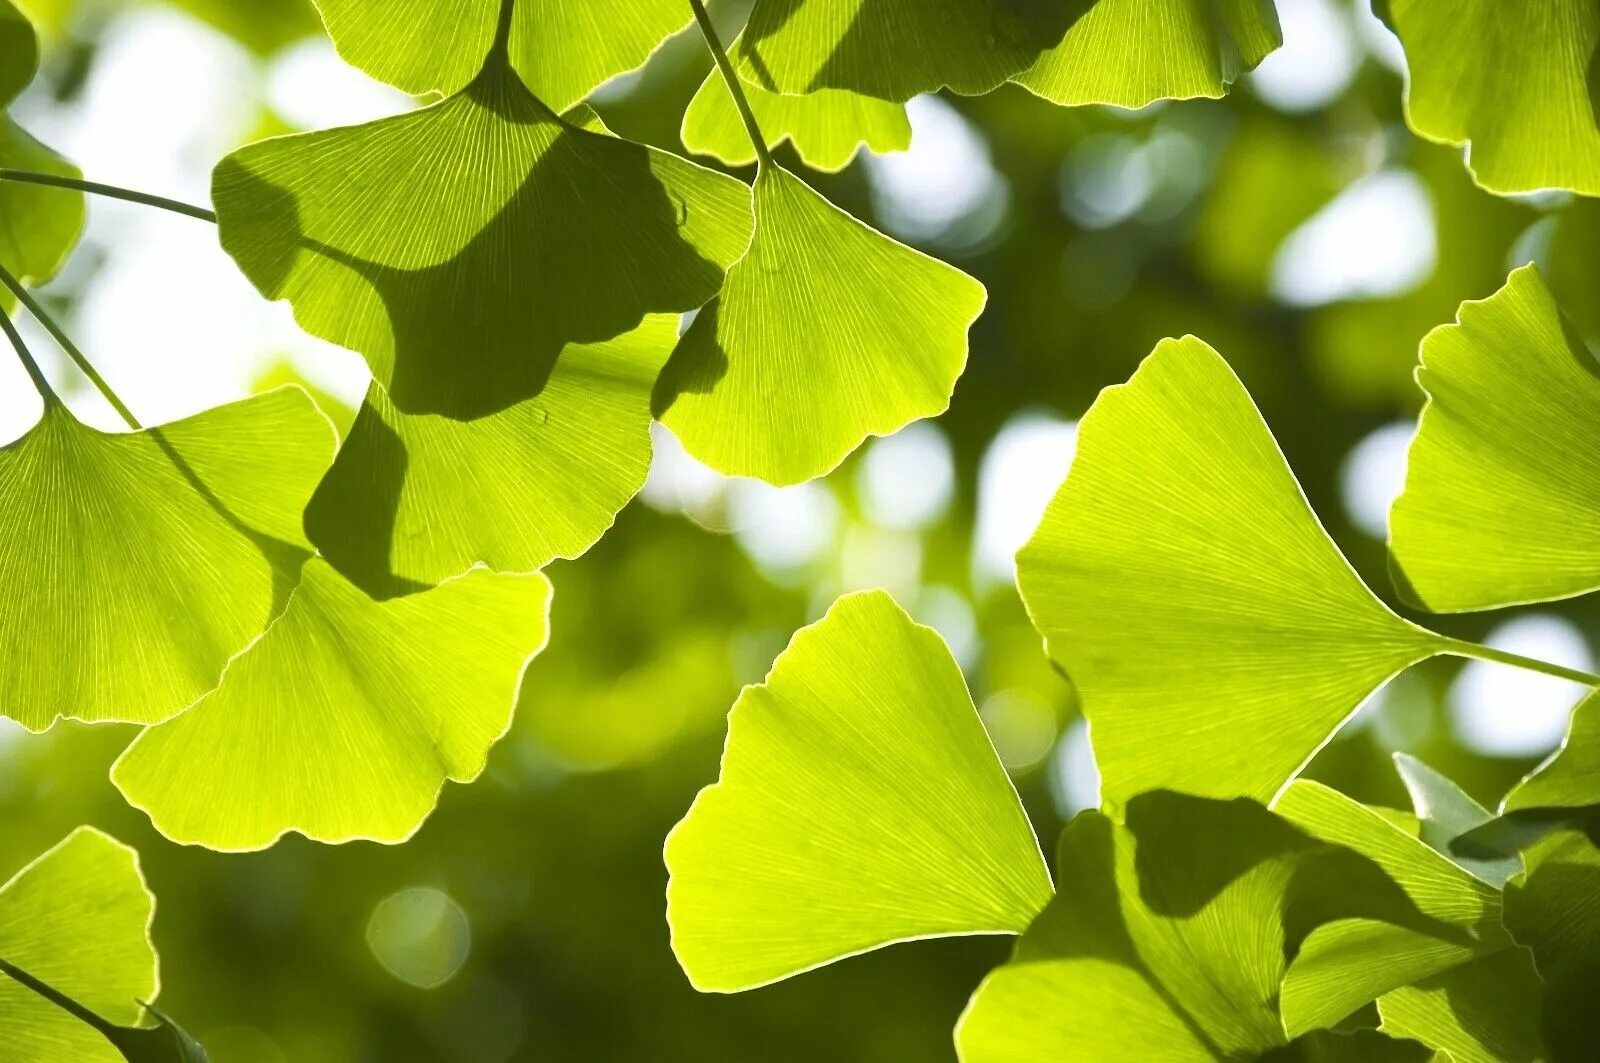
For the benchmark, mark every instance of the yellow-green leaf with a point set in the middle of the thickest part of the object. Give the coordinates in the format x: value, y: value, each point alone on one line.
x: 136, y: 564
x: 860, y: 803
x: 415, y: 498
x: 77, y: 919
x: 1216, y: 636
x: 826, y: 332
x: 1512, y: 81
x: 1571, y: 777
x: 347, y: 717
x: 1502, y: 496
x: 462, y: 247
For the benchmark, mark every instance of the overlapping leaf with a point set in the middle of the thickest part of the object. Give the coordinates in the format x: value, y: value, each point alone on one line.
x: 826, y: 332
x: 1571, y: 777
x: 1134, y: 52
x: 826, y: 127
x: 1215, y: 634
x: 1444, y: 813
x: 414, y: 499
x: 345, y: 720
x: 38, y: 226
x: 1514, y: 82
x: 78, y: 920
x: 1502, y: 497
x: 135, y: 564
x: 859, y: 803
x: 562, y: 49
x: 1168, y: 938
x: 462, y: 247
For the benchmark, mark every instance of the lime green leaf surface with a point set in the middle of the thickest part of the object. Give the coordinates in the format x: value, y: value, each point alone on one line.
x: 1166, y: 941
x: 1445, y: 813
x: 860, y: 803
x: 562, y: 49
x: 826, y: 332
x: 1571, y: 777
x: 78, y: 920
x: 1512, y: 81
x: 1486, y: 1011
x: 185, y: 542
x: 414, y: 499
x: 38, y: 226
x: 1134, y: 52
x: 826, y: 127
x: 1502, y: 496
x: 345, y: 720
x: 1553, y: 908
x: 461, y: 247
x: 1215, y: 634
x: 895, y: 49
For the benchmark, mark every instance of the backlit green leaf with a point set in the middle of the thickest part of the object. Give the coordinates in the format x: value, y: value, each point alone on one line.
x: 185, y: 543
x: 1486, y: 1011
x: 1571, y: 777
x: 78, y: 920
x: 462, y: 247
x: 1446, y: 812
x: 1167, y: 939
x: 1134, y: 52
x: 562, y: 49
x: 38, y: 226
x: 345, y: 720
x: 1554, y: 910
x: 1512, y: 81
x: 1215, y: 634
x: 895, y: 49
x: 414, y: 499
x: 826, y: 127
x: 1502, y: 497
x: 826, y: 332
x: 860, y: 803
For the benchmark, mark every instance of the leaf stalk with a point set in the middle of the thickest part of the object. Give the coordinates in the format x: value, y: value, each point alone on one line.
x: 59, y: 335
x: 26, y: 357
x: 112, y: 191
x: 1477, y: 651
x: 731, y: 79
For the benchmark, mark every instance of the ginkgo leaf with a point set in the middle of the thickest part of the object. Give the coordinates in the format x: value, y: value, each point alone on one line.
x: 414, y: 499
x: 1167, y: 939
x: 461, y: 247
x: 77, y: 919
x: 1216, y: 636
x: 1502, y: 497
x: 895, y: 49
x: 38, y: 225
x: 1133, y: 52
x: 1486, y: 1011
x: 185, y: 543
x: 826, y: 127
x: 860, y: 803
x: 1445, y: 813
x: 1510, y: 81
x: 826, y: 332
x: 562, y: 49
x: 1570, y: 778
x: 346, y: 718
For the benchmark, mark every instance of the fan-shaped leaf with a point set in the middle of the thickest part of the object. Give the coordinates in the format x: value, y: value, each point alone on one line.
x: 895, y: 49
x: 1511, y: 81
x: 1134, y: 52
x: 184, y: 545
x: 78, y: 920
x: 1167, y: 939
x: 1215, y: 634
x: 826, y: 127
x: 38, y: 226
x: 860, y: 803
x: 1571, y: 777
x: 1445, y: 812
x: 826, y: 332
x: 345, y: 720
x: 461, y: 247
x: 562, y: 49
x: 1502, y: 497
x: 414, y: 499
